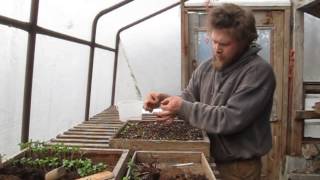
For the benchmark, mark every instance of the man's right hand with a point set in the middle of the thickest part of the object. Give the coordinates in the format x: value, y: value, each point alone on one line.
x: 152, y: 101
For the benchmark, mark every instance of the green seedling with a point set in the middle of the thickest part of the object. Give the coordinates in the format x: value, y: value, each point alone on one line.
x: 39, y: 155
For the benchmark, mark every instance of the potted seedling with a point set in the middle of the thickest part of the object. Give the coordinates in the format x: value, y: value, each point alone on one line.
x: 168, y: 165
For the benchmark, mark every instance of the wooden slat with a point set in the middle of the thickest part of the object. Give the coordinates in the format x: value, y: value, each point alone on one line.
x: 84, y: 136
x: 311, y: 87
x: 93, y: 141
x: 102, y: 122
x: 107, y: 115
x: 307, y: 140
x: 105, y: 118
x: 88, y: 133
x: 105, y: 126
x: 83, y: 145
x: 93, y: 130
x: 302, y: 115
x: 96, y: 128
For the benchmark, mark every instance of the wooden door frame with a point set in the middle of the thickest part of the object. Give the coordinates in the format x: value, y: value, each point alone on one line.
x: 186, y: 64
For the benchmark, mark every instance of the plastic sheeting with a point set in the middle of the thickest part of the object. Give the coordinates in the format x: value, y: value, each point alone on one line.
x: 59, y: 87
x: 12, y: 70
x: 16, y: 9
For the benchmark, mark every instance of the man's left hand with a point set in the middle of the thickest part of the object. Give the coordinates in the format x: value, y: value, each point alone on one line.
x: 169, y: 107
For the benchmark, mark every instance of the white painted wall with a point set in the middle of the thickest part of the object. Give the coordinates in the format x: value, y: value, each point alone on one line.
x: 149, y: 51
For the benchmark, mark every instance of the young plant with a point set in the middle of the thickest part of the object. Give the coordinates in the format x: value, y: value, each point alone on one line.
x: 134, y: 173
x: 38, y: 155
x: 83, y: 167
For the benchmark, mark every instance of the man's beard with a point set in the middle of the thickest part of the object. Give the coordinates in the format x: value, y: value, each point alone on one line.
x: 222, y: 62
x: 219, y: 64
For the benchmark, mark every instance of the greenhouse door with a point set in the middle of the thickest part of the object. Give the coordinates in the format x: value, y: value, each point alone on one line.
x: 273, y: 29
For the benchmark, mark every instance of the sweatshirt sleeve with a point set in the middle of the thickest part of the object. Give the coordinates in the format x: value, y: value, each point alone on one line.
x: 252, y: 96
x: 192, y: 92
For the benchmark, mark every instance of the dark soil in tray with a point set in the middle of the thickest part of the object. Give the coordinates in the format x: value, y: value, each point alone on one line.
x: 188, y: 177
x: 16, y: 173
x: 23, y: 173
x: 153, y: 130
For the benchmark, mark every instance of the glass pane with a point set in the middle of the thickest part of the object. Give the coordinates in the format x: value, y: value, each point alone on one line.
x: 12, y: 69
x: 311, y: 127
x: 16, y: 9
x: 311, y: 43
x: 101, y: 81
x: 264, y: 40
x: 59, y: 87
x: 204, y: 47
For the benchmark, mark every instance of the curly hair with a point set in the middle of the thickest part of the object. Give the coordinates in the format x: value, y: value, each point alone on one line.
x: 240, y: 21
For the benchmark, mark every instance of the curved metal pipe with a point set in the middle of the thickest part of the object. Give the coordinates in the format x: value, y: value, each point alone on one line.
x: 92, y: 48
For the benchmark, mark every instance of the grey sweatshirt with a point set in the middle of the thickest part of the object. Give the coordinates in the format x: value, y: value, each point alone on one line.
x: 233, y: 106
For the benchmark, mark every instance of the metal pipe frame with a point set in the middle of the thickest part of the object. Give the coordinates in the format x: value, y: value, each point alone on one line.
x: 40, y: 30
x: 115, y: 65
x: 29, y: 72
x: 33, y: 29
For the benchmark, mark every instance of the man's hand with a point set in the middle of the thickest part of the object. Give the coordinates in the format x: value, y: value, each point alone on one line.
x: 169, y: 107
x: 152, y: 101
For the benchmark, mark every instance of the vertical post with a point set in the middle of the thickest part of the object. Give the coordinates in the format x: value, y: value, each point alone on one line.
x: 29, y: 72
x: 90, y: 70
x: 115, y: 68
x: 296, y: 128
x: 184, y: 46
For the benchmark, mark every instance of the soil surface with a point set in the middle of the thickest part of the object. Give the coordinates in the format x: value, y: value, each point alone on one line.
x: 7, y: 173
x: 188, y: 177
x: 153, y: 130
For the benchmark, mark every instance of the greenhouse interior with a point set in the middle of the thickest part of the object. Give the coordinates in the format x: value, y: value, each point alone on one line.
x: 107, y: 89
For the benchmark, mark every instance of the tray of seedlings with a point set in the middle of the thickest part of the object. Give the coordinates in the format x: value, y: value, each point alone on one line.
x: 160, y: 136
x: 38, y: 161
x: 168, y: 165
